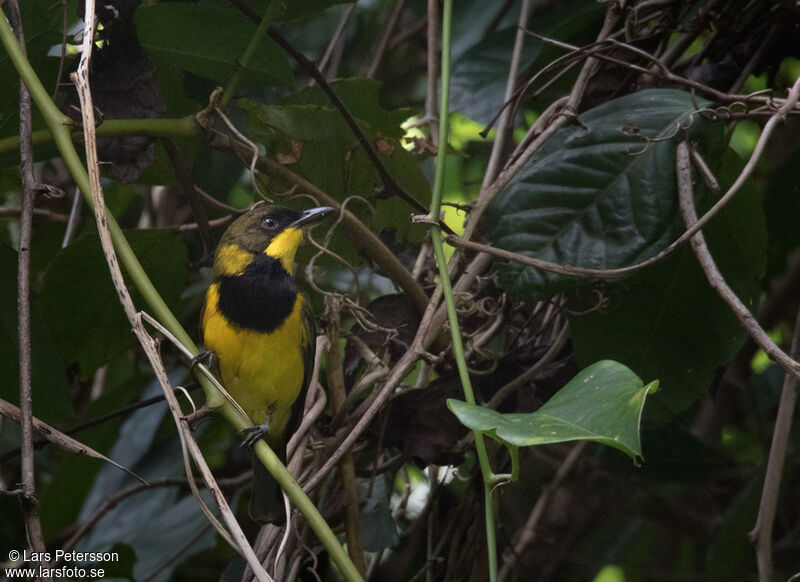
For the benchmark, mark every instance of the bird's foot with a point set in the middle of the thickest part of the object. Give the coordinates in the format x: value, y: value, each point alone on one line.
x: 194, y: 419
x: 207, y: 358
x: 254, y: 433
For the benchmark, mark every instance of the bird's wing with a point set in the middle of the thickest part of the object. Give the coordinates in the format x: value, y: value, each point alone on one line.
x: 309, y: 339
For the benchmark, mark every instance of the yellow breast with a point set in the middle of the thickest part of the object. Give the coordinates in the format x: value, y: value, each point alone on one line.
x: 263, y: 372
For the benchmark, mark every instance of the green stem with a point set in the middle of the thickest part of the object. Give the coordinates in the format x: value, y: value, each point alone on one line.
x: 180, y: 127
x: 233, y: 84
x: 59, y: 127
x: 447, y: 290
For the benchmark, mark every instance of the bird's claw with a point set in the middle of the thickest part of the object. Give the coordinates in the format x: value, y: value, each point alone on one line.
x: 207, y: 358
x: 254, y: 434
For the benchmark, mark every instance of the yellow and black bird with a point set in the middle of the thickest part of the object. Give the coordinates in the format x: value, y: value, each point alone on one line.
x: 262, y: 331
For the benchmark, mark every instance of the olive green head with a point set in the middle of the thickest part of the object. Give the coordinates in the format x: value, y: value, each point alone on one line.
x: 274, y: 230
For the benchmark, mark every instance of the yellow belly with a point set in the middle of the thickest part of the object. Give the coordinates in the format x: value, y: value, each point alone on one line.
x: 262, y: 372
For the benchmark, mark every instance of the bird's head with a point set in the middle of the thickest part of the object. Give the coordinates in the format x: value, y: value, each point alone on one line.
x: 276, y: 231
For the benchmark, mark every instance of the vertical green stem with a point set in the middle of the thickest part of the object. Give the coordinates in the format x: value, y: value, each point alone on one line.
x: 233, y: 84
x: 444, y: 276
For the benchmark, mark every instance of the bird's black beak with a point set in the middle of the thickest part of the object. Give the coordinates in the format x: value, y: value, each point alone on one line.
x: 312, y: 216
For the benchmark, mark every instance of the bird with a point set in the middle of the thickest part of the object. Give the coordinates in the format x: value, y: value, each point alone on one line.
x: 260, y: 331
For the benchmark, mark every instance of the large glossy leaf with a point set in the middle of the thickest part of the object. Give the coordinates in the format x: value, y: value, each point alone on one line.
x: 666, y: 321
x: 208, y: 42
x: 80, y: 303
x: 603, y: 403
x: 601, y: 193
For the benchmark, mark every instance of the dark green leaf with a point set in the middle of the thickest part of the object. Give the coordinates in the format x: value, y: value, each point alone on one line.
x: 603, y: 403
x: 208, y: 42
x: 601, y: 194
x: 314, y: 142
x: 362, y: 99
x: 81, y: 305
x: 287, y: 11
x: 666, y: 321
x: 49, y: 380
x: 479, y: 76
x: 731, y: 552
x: 42, y: 26
x: 379, y: 529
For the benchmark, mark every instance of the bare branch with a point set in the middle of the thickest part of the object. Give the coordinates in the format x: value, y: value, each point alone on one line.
x: 715, y: 278
x: 28, y: 499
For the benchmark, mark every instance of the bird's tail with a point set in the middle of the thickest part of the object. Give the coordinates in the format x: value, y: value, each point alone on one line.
x: 266, y: 500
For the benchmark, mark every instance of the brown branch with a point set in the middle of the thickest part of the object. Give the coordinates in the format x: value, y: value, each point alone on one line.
x: 527, y: 534
x: 347, y: 470
x: 432, y: 56
x: 28, y: 499
x: 507, y: 116
x: 347, y: 437
x: 59, y: 438
x: 762, y: 532
x: 714, y: 276
x: 383, y: 41
x: 89, y: 424
x: 191, y: 195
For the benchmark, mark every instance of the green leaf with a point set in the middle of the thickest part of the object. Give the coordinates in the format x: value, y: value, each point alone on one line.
x: 288, y: 11
x: 666, y: 322
x: 603, y: 403
x: 600, y: 194
x: 314, y: 141
x: 51, y: 401
x: 79, y: 301
x: 42, y: 26
x: 480, y: 74
x: 730, y: 553
x: 378, y: 526
x: 361, y: 98
x: 208, y: 42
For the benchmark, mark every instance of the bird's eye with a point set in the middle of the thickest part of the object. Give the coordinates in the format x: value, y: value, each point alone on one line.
x: 269, y: 223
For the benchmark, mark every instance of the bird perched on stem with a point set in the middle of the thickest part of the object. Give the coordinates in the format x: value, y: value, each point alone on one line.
x: 261, y: 329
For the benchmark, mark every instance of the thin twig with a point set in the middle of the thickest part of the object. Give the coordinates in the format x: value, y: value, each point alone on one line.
x: 527, y: 533
x: 715, y: 278
x: 383, y: 41
x: 59, y: 438
x: 347, y: 470
x: 190, y: 194
x: 432, y: 55
x: 389, y: 183
x: 761, y: 533
x: 346, y: 438
x: 528, y: 374
x: 28, y: 499
x: 335, y: 39
x: 361, y: 236
x: 110, y: 503
x: 506, y: 119
x: 74, y: 219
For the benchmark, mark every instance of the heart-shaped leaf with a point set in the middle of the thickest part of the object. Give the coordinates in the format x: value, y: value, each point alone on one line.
x: 603, y: 403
